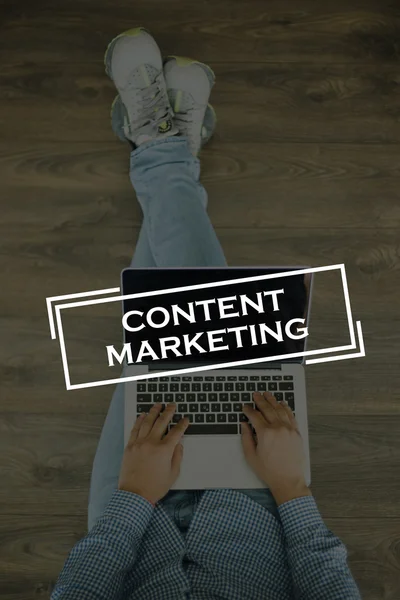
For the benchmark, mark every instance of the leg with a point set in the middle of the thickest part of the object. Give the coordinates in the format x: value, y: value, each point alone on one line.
x: 107, y: 461
x: 165, y: 176
x: 143, y: 256
x: 178, y: 232
x: 176, y: 229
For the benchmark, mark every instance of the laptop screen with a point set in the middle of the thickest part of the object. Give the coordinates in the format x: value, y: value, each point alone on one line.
x: 293, y: 304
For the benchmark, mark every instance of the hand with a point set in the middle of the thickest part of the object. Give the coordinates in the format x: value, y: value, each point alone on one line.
x: 151, y: 462
x: 278, y: 456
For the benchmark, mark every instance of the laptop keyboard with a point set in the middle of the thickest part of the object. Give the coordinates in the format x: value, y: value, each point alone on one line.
x: 212, y: 403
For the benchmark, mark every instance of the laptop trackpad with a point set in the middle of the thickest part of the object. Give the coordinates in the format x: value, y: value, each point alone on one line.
x: 215, y: 461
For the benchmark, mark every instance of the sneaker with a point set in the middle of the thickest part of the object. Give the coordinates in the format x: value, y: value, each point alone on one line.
x: 119, y: 117
x: 133, y: 61
x: 189, y: 84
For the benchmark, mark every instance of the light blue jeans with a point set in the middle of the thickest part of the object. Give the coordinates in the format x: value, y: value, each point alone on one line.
x: 176, y: 232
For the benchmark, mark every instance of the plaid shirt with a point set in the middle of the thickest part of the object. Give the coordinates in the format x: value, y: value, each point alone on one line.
x: 234, y: 549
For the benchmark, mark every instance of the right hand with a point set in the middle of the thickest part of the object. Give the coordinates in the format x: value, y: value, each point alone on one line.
x: 278, y: 456
x: 151, y: 461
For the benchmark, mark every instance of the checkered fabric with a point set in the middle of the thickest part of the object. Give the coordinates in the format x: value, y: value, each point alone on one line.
x: 234, y: 549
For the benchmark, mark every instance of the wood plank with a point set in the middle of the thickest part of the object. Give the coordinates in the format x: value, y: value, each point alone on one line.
x: 303, y: 169
x: 372, y: 546
x: 48, y: 460
x: 211, y: 30
x: 354, y: 387
x: 32, y: 376
x: 274, y: 102
x: 332, y: 185
x: 33, y: 553
x: 60, y: 260
x: 31, y: 370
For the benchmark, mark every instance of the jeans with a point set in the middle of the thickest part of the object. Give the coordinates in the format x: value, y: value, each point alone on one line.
x: 176, y: 232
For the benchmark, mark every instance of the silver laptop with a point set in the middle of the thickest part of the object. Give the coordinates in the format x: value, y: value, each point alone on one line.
x: 212, y: 399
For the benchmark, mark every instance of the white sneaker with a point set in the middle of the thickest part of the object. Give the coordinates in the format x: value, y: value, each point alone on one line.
x: 189, y: 84
x: 119, y: 117
x: 133, y: 61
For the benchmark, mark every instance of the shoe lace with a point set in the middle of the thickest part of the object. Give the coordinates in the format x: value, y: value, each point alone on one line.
x: 155, y: 107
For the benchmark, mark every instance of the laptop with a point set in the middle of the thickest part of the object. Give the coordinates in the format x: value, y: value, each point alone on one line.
x: 212, y: 398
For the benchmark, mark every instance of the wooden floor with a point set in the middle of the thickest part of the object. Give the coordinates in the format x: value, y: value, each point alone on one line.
x: 304, y: 169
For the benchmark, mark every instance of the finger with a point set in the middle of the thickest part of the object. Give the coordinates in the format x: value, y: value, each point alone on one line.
x: 176, y: 433
x: 289, y: 411
x: 161, y: 424
x: 291, y: 417
x: 283, y: 414
x: 248, y: 444
x: 255, y: 418
x: 148, y: 421
x: 270, y: 398
x: 136, y: 428
x: 280, y: 413
x: 272, y: 401
x: 177, y: 460
x: 265, y: 407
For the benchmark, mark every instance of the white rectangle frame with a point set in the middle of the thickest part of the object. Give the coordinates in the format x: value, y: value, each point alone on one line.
x: 59, y: 307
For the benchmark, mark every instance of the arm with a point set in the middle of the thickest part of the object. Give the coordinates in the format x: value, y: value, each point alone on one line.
x: 96, y: 567
x: 317, y: 559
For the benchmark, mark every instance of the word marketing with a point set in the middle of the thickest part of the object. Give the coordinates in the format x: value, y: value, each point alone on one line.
x: 203, y: 314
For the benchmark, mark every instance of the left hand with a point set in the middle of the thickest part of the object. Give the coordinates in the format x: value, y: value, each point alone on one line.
x: 151, y: 462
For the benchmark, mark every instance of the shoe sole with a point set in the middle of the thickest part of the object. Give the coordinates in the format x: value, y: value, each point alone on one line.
x: 108, y: 53
x: 213, y: 114
x: 210, y: 124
